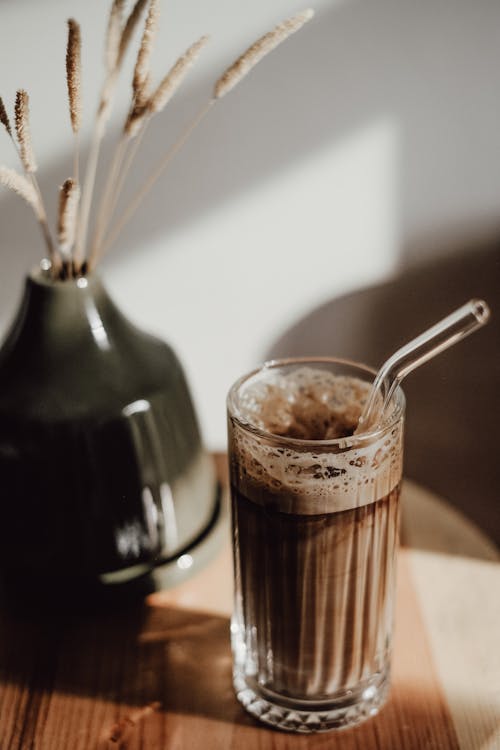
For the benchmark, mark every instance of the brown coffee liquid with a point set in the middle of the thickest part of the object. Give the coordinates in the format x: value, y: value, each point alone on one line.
x: 317, y: 593
x: 315, y: 536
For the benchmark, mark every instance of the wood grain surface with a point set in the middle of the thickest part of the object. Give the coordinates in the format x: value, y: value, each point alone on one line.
x: 158, y: 676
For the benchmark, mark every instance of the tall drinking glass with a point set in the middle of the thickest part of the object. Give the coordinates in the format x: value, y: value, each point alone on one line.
x: 315, y: 514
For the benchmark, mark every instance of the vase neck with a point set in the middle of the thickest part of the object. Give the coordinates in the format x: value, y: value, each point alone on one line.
x: 64, y: 311
x: 70, y: 338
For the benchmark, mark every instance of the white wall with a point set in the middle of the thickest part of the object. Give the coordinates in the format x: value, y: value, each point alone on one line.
x: 376, y: 125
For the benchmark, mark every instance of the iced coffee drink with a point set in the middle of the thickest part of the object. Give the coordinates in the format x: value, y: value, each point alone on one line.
x: 315, y: 528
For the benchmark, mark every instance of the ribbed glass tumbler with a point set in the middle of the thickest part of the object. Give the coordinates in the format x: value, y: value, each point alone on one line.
x: 315, y: 534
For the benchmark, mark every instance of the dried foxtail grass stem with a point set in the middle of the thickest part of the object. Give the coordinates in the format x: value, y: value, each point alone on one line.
x: 125, y: 167
x: 136, y: 118
x: 114, y: 35
x: 130, y: 27
x: 137, y: 111
x: 171, y: 82
x: 114, y: 183
x: 74, y: 214
x: 113, y: 39
x: 73, y: 80
x: 24, y: 187
x: 136, y: 126
x: 22, y: 122
x: 105, y: 207
x: 4, y: 118
x: 227, y: 81
x: 27, y: 157
x: 125, y: 162
x: 73, y: 74
x: 160, y: 98
x: 88, y: 189
x: 140, y: 83
x: 150, y: 181
x: 69, y: 196
x: 259, y: 49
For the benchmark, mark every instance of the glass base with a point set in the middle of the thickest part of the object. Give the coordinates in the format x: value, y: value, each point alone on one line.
x: 341, y: 712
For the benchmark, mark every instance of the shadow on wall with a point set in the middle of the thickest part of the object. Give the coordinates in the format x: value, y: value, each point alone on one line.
x: 452, y: 401
x: 431, y: 70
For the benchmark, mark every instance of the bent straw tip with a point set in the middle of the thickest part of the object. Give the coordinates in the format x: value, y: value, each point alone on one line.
x: 480, y: 310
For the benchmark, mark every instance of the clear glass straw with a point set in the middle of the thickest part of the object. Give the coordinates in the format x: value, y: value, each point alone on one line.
x: 436, y: 339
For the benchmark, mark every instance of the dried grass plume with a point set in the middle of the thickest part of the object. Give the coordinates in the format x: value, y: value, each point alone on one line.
x: 129, y: 28
x: 141, y: 78
x: 23, y: 187
x: 22, y: 121
x: 4, y: 118
x: 73, y: 73
x: 77, y: 255
x: 165, y: 90
x: 114, y: 34
x: 69, y: 198
x: 175, y: 76
x: 259, y: 49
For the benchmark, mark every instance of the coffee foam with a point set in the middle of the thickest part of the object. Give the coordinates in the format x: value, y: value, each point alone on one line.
x: 311, y: 404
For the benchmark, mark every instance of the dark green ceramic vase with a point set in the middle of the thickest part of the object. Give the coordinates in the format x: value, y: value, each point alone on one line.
x: 103, y: 475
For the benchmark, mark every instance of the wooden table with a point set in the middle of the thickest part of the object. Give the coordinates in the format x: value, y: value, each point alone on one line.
x: 159, y: 676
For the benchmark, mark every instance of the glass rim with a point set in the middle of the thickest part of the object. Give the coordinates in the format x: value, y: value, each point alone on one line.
x: 339, y: 443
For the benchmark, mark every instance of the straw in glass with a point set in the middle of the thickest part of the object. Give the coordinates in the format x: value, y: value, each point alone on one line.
x: 436, y: 339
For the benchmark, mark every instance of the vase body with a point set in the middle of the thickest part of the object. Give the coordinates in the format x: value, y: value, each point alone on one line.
x: 103, y: 475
